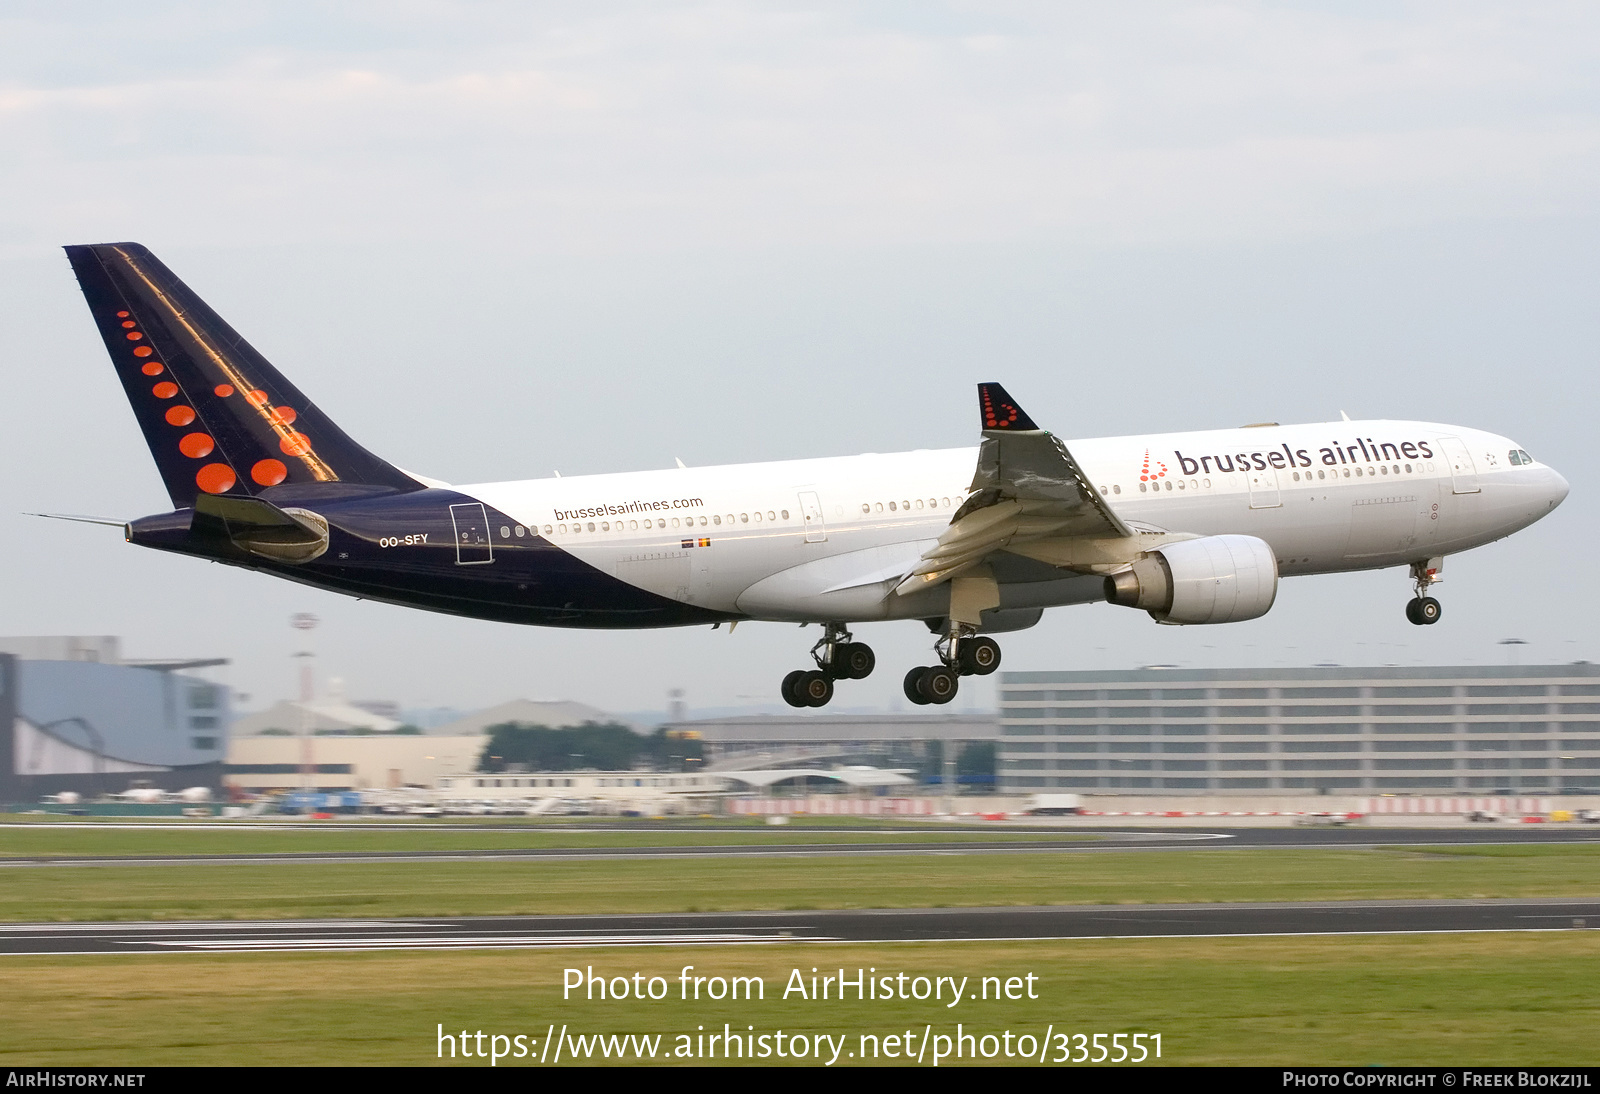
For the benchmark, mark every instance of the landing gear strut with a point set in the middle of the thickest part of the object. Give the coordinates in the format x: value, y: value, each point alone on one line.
x: 838, y: 657
x: 962, y: 653
x: 1422, y: 609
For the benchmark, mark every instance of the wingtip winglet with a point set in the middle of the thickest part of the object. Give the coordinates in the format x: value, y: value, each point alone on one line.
x: 999, y: 410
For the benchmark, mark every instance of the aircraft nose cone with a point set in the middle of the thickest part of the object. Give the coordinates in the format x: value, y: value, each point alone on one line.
x: 1558, y: 487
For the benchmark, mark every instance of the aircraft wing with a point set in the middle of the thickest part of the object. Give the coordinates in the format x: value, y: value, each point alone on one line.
x: 1029, y: 496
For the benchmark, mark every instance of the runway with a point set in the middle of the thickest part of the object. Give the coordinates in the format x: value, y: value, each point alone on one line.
x: 775, y: 928
x: 1092, y: 841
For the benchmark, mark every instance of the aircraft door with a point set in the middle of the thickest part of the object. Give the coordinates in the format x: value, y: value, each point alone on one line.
x: 811, y: 513
x: 473, y: 545
x: 1463, y: 472
x: 1264, y: 489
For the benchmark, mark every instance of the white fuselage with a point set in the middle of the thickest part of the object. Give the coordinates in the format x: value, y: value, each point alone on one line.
x: 828, y: 539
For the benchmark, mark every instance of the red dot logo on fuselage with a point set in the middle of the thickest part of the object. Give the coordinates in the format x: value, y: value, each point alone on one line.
x: 1145, y: 472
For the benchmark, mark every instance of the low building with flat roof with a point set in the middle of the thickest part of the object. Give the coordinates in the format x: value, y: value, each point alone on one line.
x: 882, y: 740
x: 341, y: 762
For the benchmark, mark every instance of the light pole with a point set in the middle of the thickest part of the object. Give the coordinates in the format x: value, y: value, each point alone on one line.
x: 948, y: 748
x: 305, y: 623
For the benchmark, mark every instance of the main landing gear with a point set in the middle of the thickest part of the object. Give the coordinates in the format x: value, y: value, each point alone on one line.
x: 962, y: 653
x: 1424, y: 610
x: 838, y: 657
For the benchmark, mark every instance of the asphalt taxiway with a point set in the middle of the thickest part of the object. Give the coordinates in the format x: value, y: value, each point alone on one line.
x: 769, y: 928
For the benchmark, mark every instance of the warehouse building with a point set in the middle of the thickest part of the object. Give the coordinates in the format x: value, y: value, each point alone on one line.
x: 76, y: 715
x: 1472, y: 729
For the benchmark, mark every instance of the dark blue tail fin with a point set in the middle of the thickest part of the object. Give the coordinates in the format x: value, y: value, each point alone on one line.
x: 218, y: 417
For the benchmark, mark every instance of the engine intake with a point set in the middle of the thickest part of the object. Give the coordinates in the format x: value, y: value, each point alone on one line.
x: 1215, y: 579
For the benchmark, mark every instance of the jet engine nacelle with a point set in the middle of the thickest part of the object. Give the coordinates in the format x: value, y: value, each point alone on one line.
x: 1215, y: 579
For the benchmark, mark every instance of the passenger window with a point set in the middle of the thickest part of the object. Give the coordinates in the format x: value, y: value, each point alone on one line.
x: 1322, y: 474
x: 1142, y: 488
x: 865, y: 508
x: 906, y: 505
x: 633, y: 526
x: 1180, y: 484
x: 771, y: 515
x: 945, y: 502
x: 1384, y: 468
x: 716, y: 520
x: 933, y: 503
x: 521, y: 531
x: 547, y: 529
x: 1408, y: 469
x: 591, y: 526
x: 919, y: 503
x: 879, y: 506
x: 1169, y: 485
x: 1358, y: 472
x: 786, y: 514
x: 891, y: 507
x: 1297, y: 476
x: 1207, y: 482
x: 605, y: 526
x: 1117, y: 489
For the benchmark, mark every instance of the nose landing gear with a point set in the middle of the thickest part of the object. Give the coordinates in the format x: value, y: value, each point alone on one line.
x: 838, y: 657
x: 1424, y: 610
x: 963, y: 654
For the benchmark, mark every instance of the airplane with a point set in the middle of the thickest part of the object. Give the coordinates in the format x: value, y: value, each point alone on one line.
x: 1194, y: 528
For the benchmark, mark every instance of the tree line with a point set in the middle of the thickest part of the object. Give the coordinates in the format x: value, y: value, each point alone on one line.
x: 607, y: 746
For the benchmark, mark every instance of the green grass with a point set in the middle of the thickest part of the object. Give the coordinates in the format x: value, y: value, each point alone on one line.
x: 32, y: 841
x: 1456, y: 1000
x: 317, y: 890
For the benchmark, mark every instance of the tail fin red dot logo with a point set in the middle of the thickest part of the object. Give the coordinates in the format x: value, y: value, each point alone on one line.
x: 1146, y: 474
x: 997, y: 416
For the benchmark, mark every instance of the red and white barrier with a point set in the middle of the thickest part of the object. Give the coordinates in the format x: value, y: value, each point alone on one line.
x: 823, y: 805
x: 1505, y: 807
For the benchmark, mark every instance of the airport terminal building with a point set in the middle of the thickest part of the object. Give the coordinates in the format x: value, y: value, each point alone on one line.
x: 1460, y: 730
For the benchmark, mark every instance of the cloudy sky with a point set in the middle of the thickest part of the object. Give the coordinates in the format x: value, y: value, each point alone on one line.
x: 494, y: 240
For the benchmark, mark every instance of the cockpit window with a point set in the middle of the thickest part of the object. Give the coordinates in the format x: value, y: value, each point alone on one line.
x: 1514, y: 457
x: 1525, y: 457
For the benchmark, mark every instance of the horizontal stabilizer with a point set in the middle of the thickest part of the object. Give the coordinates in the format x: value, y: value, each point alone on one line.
x: 261, y: 528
